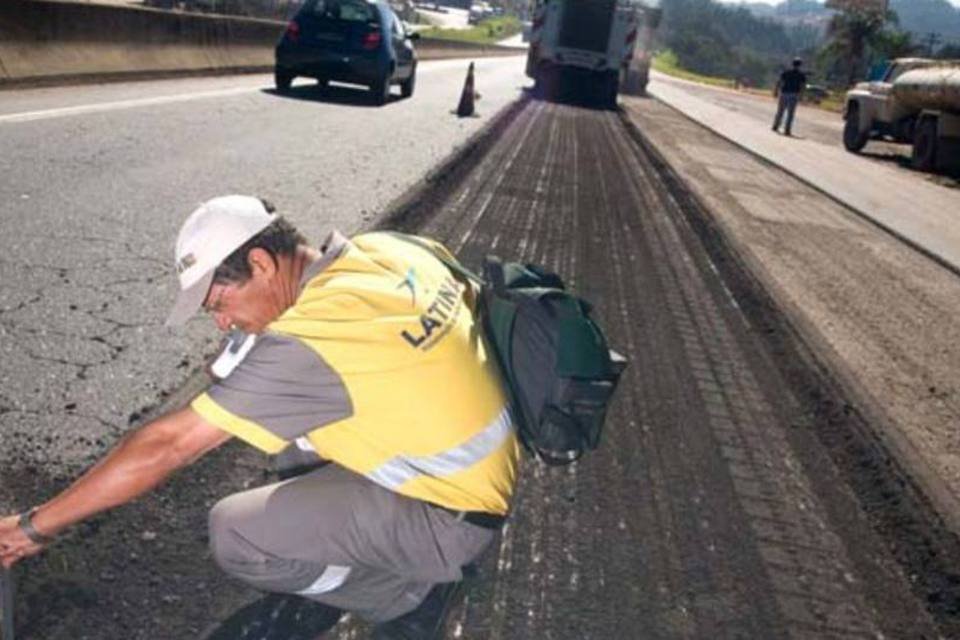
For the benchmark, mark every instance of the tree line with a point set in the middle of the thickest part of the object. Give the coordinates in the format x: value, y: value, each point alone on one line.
x: 718, y: 40
x: 730, y: 41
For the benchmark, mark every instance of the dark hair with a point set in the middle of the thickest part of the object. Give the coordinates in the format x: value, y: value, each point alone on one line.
x: 279, y: 238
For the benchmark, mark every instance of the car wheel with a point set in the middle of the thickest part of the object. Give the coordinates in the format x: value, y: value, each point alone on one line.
x: 853, y: 139
x: 282, y: 79
x: 924, y: 155
x: 380, y: 91
x: 408, y: 85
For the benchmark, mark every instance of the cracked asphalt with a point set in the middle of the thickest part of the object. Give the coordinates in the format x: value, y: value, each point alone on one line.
x: 96, y: 181
x: 717, y: 506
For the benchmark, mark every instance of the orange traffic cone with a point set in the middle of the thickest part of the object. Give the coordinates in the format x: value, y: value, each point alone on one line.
x: 466, y: 107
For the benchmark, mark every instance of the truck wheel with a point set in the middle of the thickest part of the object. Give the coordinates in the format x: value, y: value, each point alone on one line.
x: 282, y: 79
x: 612, y: 88
x: 541, y: 87
x: 603, y: 90
x: 853, y: 139
x: 924, y: 155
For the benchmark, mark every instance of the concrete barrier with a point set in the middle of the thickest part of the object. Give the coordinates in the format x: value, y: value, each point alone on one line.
x: 46, y: 41
x: 435, y: 49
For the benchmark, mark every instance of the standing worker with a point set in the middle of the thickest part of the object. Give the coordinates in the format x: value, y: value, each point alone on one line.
x: 789, y: 88
x: 365, y: 351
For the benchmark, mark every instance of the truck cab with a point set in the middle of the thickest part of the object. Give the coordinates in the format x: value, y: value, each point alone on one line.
x: 914, y: 101
x: 870, y: 111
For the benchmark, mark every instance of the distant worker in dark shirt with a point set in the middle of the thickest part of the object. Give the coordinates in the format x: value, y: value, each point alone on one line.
x: 789, y: 87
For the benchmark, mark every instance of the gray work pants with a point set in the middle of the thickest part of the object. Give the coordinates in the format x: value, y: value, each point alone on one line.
x: 787, y: 104
x: 338, y: 538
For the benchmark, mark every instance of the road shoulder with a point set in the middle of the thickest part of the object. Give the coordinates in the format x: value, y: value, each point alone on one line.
x: 916, y: 211
x: 876, y: 311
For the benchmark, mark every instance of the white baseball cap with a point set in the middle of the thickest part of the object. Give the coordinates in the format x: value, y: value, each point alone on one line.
x: 213, y: 231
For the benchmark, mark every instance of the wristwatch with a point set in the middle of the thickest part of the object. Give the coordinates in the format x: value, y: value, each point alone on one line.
x: 26, y: 525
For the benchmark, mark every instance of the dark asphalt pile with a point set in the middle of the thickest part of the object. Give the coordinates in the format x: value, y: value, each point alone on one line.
x: 710, y: 511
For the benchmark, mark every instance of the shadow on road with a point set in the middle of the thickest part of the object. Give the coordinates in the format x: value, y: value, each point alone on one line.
x: 571, y: 98
x: 333, y: 94
x: 946, y: 176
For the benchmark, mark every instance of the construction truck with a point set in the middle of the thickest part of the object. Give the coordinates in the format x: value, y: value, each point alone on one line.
x: 915, y: 101
x: 591, y: 49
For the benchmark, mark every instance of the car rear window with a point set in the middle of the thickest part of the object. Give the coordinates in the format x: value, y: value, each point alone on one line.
x: 345, y: 10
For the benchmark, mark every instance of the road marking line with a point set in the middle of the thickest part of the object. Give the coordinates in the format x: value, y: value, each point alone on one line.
x: 46, y: 114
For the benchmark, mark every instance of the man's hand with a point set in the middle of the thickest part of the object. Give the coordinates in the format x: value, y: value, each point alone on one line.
x: 140, y: 462
x: 14, y: 543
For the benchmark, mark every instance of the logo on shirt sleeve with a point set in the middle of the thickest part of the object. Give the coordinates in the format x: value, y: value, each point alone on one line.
x: 410, y: 282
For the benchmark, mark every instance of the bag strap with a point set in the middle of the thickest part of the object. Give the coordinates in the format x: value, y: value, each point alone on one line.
x: 453, y: 265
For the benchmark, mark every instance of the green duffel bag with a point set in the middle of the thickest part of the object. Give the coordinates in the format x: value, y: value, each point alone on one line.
x: 560, y: 374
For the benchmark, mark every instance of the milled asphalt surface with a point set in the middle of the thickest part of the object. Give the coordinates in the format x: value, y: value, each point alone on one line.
x: 712, y: 509
x: 718, y: 506
x: 90, y: 204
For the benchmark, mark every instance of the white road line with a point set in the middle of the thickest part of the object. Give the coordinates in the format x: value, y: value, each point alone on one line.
x: 101, y: 107
x: 46, y: 114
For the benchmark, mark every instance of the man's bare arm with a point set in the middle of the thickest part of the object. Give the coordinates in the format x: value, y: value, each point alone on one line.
x: 139, y: 462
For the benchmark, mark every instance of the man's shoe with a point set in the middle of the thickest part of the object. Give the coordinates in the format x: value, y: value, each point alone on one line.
x: 426, y: 621
x: 278, y: 616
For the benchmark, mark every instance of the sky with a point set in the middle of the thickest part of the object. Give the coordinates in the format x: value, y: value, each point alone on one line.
x: 956, y: 3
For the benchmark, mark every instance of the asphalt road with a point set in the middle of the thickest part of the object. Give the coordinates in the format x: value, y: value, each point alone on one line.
x: 96, y: 181
x: 811, y: 123
x: 712, y: 510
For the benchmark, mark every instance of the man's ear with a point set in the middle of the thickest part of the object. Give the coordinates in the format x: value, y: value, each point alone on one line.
x: 261, y: 263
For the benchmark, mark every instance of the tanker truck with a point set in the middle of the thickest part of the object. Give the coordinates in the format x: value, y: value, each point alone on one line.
x: 916, y: 101
x: 591, y: 48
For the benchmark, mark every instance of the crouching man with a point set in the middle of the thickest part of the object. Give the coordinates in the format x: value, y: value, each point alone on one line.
x: 366, y: 353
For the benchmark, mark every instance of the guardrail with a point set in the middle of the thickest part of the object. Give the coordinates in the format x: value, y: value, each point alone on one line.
x: 47, y: 42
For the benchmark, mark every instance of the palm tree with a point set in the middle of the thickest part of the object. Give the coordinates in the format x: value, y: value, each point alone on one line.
x: 855, y: 24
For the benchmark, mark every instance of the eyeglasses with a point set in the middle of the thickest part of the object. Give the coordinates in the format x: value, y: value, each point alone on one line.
x: 216, y: 304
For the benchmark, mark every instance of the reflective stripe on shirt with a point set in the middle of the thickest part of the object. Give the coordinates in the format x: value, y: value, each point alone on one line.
x: 401, y: 469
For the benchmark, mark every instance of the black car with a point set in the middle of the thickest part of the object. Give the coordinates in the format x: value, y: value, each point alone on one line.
x: 353, y: 41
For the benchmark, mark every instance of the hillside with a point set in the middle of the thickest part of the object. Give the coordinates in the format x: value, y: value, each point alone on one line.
x: 919, y: 17
x: 720, y: 40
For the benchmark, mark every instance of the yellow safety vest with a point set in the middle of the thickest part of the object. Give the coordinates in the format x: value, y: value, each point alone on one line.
x: 430, y: 417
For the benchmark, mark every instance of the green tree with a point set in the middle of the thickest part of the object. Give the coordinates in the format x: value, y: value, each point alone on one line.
x: 892, y: 43
x: 854, y: 26
x: 716, y: 39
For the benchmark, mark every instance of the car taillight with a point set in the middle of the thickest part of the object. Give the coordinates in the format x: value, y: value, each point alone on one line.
x: 371, y: 40
x: 293, y: 31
